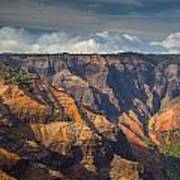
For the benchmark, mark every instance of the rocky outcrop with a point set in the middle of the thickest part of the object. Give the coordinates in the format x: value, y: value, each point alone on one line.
x: 84, y: 116
x: 133, y: 129
x: 163, y: 125
x: 45, y: 134
x: 4, y: 176
x: 111, y: 84
x: 124, y: 170
x: 139, y: 142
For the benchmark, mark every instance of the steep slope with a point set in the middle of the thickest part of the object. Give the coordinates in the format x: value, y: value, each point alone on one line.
x: 111, y: 84
x: 44, y: 134
x: 141, y: 145
x: 114, y: 98
x: 164, y: 130
x: 163, y: 125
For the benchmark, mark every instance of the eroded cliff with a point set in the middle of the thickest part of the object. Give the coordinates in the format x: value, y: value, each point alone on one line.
x: 91, y: 115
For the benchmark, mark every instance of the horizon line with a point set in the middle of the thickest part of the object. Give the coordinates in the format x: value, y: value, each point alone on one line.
x: 68, y: 53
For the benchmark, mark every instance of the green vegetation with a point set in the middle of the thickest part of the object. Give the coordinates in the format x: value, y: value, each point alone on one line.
x: 171, y: 156
x: 171, y: 160
x: 15, y: 76
x: 172, y: 149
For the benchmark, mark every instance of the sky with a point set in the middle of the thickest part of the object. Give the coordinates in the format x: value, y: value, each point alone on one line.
x: 89, y: 26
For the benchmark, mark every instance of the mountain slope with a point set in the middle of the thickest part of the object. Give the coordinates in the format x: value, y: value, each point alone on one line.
x: 129, y: 103
x: 54, y: 140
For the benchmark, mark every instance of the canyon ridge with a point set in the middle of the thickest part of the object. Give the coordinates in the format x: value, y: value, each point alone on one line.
x: 89, y: 116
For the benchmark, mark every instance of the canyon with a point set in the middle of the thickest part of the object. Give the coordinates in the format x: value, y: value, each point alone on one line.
x: 89, y: 116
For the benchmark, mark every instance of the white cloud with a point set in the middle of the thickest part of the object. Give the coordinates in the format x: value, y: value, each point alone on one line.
x: 113, y: 43
x: 171, y: 43
x: 20, y: 41
x: 131, y: 38
x: 13, y: 40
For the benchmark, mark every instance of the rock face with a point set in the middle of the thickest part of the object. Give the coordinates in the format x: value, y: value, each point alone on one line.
x: 163, y: 125
x: 111, y: 84
x: 87, y: 116
x: 58, y: 139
